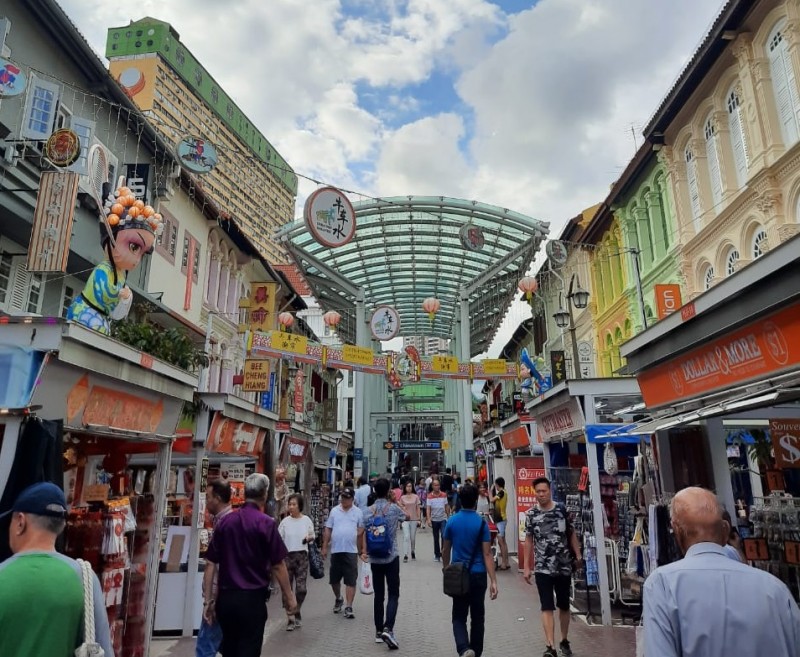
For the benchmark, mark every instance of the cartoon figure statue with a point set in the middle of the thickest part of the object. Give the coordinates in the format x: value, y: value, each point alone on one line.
x: 529, y: 373
x: 128, y: 230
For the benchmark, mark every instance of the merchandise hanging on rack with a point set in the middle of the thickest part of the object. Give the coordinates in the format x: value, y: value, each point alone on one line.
x: 775, y: 543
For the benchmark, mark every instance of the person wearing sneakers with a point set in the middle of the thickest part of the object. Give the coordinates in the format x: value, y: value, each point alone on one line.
x: 438, y: 511
x: 344, y: 534
x: 499, y: 498
x: 549, y: 530
x: 297, y: 531
x: 384, y: 516
x: 410, y: 503
x: 467, y: 540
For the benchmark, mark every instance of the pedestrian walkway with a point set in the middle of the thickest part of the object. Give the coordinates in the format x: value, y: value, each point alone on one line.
x: 512, y: 621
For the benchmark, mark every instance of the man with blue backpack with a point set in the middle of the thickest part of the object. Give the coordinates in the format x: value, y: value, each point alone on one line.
x: 381, y: 521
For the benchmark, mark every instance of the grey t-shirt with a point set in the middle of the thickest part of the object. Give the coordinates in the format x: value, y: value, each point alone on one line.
x: 394, y: 516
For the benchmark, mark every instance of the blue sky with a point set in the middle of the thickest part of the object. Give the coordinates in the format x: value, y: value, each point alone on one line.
x: 522, y: 105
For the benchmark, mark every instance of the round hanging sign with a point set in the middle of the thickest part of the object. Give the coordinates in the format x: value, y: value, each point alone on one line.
x: 330, y: 217
x: 385, y: 323
x: 12, y: 79
x: 196, y: 155
x: 471, y: 237
x: 557, y: 252
x: 63, y: 147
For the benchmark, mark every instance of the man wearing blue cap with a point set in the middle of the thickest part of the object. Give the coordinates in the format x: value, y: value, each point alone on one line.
x: 41, y: 591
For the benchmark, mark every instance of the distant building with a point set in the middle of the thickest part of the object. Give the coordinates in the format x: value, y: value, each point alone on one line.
x: 250, y: 180
x: 427, y: 346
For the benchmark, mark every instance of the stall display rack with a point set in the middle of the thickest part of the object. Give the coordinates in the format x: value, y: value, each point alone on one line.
x: 776, y: 522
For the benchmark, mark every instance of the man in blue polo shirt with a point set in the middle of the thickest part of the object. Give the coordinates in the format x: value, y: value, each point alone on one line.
x: 467, y: 540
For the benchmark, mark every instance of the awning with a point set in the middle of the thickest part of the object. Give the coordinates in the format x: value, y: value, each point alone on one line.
x: 616, y: 433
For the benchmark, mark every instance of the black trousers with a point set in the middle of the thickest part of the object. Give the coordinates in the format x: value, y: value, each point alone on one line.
x: 242, y: 615
x: 386, y: 576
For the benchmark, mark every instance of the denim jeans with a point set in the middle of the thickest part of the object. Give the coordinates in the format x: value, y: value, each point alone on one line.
x: 473, y: 605
x: 438, y: 527
x: 386, y: 576
x: 209, y: 639
x: 409, y: 537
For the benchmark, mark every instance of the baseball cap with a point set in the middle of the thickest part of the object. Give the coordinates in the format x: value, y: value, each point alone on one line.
x: 348, y: 493
x: 42, y: 499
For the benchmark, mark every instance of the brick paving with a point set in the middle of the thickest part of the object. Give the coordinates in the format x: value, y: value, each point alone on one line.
x: 423, y: 621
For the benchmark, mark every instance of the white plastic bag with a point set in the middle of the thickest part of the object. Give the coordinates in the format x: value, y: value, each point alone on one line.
x: 640, y: 641
x: 365, y: 579
x: 610, y: 460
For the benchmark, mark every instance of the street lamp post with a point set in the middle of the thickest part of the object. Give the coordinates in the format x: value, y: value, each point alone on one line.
x: 578, y: 297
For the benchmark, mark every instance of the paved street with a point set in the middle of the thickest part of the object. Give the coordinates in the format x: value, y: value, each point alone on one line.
x: 424, y: 620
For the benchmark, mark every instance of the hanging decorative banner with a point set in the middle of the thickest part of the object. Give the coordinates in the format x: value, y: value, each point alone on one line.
x: 12, y: 79
x: 262, y: 306
x: 196, y: 155
x: 299, y: 395
x: 48, y: 249
x: 494, y: 366
x: 384, y: 323
x: 296, y: 344
x: 445, y: 364
x: 357, y: 355
x: 63, y: 147
x: 471, y: 237
x: 330, y: 217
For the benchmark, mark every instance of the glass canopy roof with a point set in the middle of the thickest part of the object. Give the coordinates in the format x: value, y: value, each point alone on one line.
x: 407, y: 249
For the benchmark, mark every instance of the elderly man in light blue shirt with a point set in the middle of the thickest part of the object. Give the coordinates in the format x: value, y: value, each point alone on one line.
x: 708, y: 605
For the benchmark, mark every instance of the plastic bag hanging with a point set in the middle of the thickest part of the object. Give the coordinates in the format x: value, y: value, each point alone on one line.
x: 610, y: 460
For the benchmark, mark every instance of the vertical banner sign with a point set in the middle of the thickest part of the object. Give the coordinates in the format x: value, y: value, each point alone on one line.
x: 261, y: 315
x: 526, y: 469
x: 298, y: 396
x: 785, y: 436
x: 201, y: 513
x: 137, y: 179
x: 558, y: 366
x: 51, y: 233
x: 668, y: 299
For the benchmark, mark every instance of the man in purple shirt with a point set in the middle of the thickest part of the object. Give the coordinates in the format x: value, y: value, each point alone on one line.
x: 245, y: 551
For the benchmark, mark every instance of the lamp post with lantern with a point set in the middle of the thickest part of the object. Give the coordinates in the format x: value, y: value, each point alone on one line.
x: 578, y: 297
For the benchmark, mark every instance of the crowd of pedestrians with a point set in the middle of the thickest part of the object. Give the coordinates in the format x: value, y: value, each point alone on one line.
x: 708, y: 604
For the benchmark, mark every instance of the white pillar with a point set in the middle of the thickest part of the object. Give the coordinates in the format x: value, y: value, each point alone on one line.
x: 465, y: 387
x: 359, y: 401
x: 597, y: 517
x: 717, y: 445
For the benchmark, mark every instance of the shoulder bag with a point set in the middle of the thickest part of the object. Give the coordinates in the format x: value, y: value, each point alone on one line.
x: 455, y: 581
x: 89, y: 647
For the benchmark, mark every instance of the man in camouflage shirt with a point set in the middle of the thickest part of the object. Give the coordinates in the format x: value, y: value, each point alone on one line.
x: 548, y: 529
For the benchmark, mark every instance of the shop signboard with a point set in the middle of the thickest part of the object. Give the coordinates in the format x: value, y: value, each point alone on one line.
x: 668, y: 299
x: 445, y: 364
x: 562, y: 421
x: 261, y: 306
x: 384, y: 323
x: 53, y: 215
x: 492, y: 447
x: 330, y: 217
x: 764, y: 347
x: 526, y: 470
x: 518, y: 438
x: 256, y: 375
x: 785, y: 436
x: 558, y: 366
x: 105, y: 407
x: 299, y: 389
x: 357, y: 355
x: 494, y: 366
x: 297, y: 449
x: 229, y: 436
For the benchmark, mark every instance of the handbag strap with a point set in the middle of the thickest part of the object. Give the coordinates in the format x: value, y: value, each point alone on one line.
x: 478, y: 542
x: 88, y: 602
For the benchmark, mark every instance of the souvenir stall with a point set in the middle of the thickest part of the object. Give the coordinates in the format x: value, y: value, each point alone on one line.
x: 90, y: 407
x: 231, y: 441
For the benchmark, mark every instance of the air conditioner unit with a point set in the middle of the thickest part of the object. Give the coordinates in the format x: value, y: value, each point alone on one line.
x: 103, y: 166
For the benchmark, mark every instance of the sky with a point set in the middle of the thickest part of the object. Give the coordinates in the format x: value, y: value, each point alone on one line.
x: 532, y: 105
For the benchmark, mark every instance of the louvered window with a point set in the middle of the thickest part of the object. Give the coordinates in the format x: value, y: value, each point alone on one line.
x: 714, y: 174
x: 738, y: 140
x: 708, y: 278
x: 730, y: 262
x: 784, y: 85
x: 694, y: 189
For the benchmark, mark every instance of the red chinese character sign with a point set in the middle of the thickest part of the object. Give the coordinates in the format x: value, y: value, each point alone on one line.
x: 330, y: 217
x: 128, y: 231
x: 526, y: 470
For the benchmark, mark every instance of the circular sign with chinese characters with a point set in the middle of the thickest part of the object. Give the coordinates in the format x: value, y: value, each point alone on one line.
x: 385, y: 323
x: 330, y: 217
x: 63, y: 148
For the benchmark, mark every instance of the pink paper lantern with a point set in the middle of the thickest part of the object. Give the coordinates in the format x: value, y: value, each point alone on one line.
x: 528, y: 285
x: 285, y: 320
x: 332, y: 318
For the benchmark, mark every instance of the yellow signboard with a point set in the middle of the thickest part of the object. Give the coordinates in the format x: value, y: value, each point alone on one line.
x: 261, y: 312
x: 494, y: 366
x: 445, y: 444
x: 297, y: 344
x: 448, y: 364
x: 256, y: 375
x: 357, y: 355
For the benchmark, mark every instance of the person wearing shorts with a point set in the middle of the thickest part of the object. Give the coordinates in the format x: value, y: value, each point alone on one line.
x: 550, y: 533
x: 499, y: 497
x: 344, y: 534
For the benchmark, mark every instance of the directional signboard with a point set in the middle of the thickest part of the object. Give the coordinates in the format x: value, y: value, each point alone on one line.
x: 412, y: 445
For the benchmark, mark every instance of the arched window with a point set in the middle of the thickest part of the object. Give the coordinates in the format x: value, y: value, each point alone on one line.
x: 708, y: 278
x: 784, y: 84
x: 730, y: 262
x: 714, y: 173
x: 665, y: 228
x: 738, y: 141
x: 694, y: 189
x: 759, y: 244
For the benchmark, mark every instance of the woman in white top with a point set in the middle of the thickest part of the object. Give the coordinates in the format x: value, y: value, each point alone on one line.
x: 483, y: 499
x: 409, y: 501
x: 297, y: 531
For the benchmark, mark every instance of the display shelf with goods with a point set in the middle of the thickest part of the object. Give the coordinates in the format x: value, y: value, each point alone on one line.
x: 112, y: 525
x: 775, y: 542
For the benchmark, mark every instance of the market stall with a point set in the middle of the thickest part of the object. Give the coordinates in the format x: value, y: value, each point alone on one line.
x: 93, y: 406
